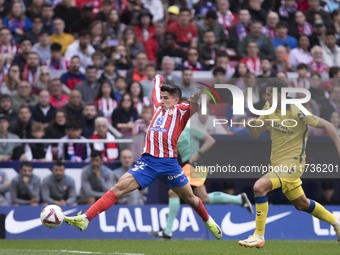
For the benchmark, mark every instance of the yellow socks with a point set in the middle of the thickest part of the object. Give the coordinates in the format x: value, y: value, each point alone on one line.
x: 261, y: 214
x: 320, y: 212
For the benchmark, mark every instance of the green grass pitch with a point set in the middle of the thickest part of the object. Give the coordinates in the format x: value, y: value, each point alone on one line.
x: 162, y: 247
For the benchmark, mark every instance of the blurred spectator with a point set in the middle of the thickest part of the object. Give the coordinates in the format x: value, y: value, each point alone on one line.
x: 37, y: 29
x: 35, y: 151
x: 59, y: 36
x: 336, y: 23
x: 97, y: 35
x: 239, y: 30
x: 332, y: 104
x: 167, y: 68
x: 85, y: 20
x: 136, y: 197
x: 147, y: 84
x: 131, y: 42
x: 24, y: 96
x: 302, y: 80
x: 144, y: 29
x: 4, y: 8
x: 59, y: 188
x: 89, y: 115
x: 186, y: 85
x: 302, y: 26
x: 89, y: 87
x: 318, y: 64
x: 282, y: 38
x: 224, y: 16
x: 6, y: 149
x: 263, y: 42
x: 141, y: 125
x: 205, y: 123
x: 301, y: 54
x: 331, y: 51
x: 105, y: 100
x: 17, y: 22
x: 170, y: 49
x: 328, y: 194
x: 241, y: 73
x: 267, y: 69
x: 25, y: 188
x: 43, y: 111
x: 317, y: 94
x: 43, y: 47
x: 74, y: 107
x: 155, y: 7
x: 139, y: 100
x: 56, y: 129
x: 209, y: 50
x: 3, y: 70
x: 4, y: 187
x: 34, y: 9
x: 8, y: 47
x: 314, y: 8
x: 137, y: 73
x: 22, y: 126
x: 74, y: 76
x: 121, y: 58
x: 172, y: 14
x: 287, y: 11
x: 335, y: 120
x: 96, y: 179
x: 42, y: 79
x: 210, y: 23
x: 120, y: 88
x: 57, y: 97
x: 25, y: 49
x: 319, y: 33
x: 219, y: 74
x: 109, y: 74
x: 192, y: 60
x: 98, y: 60
x: 154, y: 43
x: 81, y: 48
x: 256, y: 11
x: 47, y: 14
x: 109, y: 149
x: 129, y: 16
x: 124, y: 115
x: 6, y: 107
x: 280, y: 63
x: 68, y: 13
x: 56, y: 62
x: 12, y: 81
x: 252, y: 60
x: 271, y: 24
x: 185, y: 31
x: 222, y: 60
x: 114, y: 28
x: 106, y: 7
x: 74, y: 152
x: 30, y: 69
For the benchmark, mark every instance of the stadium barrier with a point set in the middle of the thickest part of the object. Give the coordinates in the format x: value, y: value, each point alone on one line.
x: 134, y: 222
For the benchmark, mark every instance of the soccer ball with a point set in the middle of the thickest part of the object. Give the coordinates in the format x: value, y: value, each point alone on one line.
x: 52, y: 216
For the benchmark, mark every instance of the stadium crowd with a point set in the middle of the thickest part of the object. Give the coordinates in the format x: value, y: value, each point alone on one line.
x: 84, y: 69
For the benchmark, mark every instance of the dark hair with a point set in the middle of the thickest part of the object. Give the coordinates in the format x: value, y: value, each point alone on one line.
x: 277, y: 83
x: 120, y: 104
x: 4, y: 96
x: 83, y: 33
x: 109, y: 62
x: 96, y: 153
x: 73, y: 125
x: 26, y: 163
x: 184, y: 9
x: 141, y: 94
x: 282, y: 24
x: 75, y: 56
x: 333, y: 71
x: 56, y: 47
x: 221, y: 54
x: 219, y: 69
x: 90, y: 67
x: 173, y: 90
x: 301, y: 66
x: 58, y: 163
x: 100, y: 93
x: 211, y: 14
x: 330, y: 32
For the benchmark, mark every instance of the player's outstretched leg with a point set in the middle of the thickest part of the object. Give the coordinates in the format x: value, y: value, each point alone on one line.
x: 223, y: 198
x: 126, y: 184
x: 186, y: 194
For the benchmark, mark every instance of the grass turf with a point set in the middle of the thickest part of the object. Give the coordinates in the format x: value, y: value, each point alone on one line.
x: 162, y: 247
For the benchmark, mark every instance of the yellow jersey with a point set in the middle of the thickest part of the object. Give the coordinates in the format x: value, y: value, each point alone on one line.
x: 288, y: 133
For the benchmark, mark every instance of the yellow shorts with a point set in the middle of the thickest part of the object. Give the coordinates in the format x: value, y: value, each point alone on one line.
x: 287, y: 177
x: 196, y: 178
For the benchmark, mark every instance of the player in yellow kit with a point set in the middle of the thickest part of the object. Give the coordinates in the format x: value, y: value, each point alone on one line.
x: 287, y: 159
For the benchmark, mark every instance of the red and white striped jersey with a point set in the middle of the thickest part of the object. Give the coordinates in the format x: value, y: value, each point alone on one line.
x: 166, y: 126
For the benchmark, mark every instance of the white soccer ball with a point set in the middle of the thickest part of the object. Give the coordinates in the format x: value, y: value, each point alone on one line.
x: 52, y: 216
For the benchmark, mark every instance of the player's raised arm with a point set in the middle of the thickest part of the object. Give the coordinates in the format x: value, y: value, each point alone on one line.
x: 156, y: 91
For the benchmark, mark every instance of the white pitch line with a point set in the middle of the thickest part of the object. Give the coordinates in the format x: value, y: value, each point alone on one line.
x: 74, y: 252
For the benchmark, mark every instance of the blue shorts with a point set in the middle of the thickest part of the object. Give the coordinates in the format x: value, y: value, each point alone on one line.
x: 148, y: 168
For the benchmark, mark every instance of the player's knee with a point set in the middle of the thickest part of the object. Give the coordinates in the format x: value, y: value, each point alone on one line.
x: 258, y: 189
x: 190, y: 200
x: 118, y: 189
x: 205, y: 199
x: 302, y: 205
x: 171, y: 193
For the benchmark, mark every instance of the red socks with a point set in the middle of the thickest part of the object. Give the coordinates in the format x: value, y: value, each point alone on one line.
x: 201, y: 211
x: 102, y: 204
